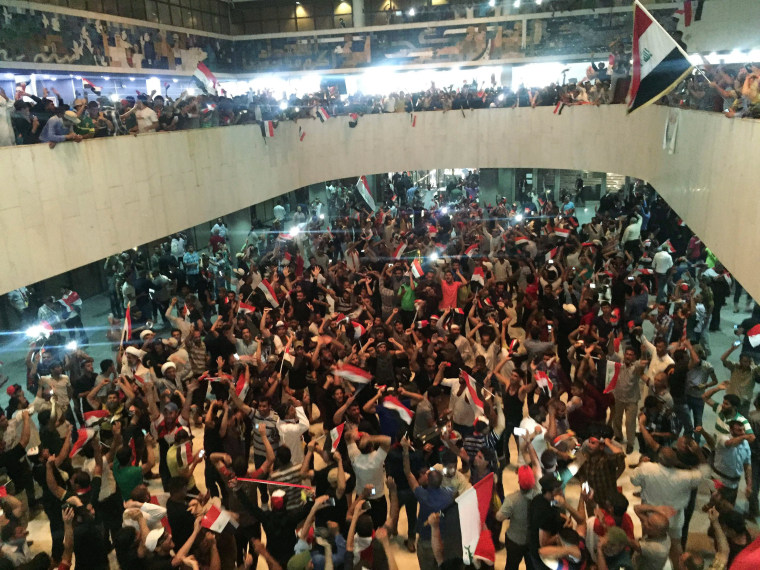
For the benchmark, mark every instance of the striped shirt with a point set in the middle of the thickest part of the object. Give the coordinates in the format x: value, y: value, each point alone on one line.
x: 722, y: 421
x: 290, y: 474
x: 273, y: 434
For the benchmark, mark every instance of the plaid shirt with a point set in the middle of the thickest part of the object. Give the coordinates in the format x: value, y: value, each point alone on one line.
x: 601, y: 470
x: 663, y: 420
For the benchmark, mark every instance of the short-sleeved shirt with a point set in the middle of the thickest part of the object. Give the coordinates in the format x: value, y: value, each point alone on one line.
x: 729, y: 462
x: 515, y: 508
x: 431, y: 501
x: 127, y: 477
x: 175, y: 463
x: 722, y: 421
x: 449, y: 292
x: 368, y: 468
x: 542, y: 516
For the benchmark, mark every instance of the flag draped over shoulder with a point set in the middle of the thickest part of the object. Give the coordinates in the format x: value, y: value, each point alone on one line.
x: 659, y: 63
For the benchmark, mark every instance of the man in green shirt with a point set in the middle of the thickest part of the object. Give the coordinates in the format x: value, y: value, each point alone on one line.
x: 129, y: 476
x: 408, y: 309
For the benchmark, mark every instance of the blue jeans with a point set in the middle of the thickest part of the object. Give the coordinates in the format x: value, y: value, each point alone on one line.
x: 681, y: 408
x: 697, y: 407
x: 662, y: 282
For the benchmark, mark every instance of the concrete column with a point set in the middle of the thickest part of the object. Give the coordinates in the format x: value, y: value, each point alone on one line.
x: 489, y: 186
x: 238, y: 225
x: 357, y: 8
x: 603, y: 184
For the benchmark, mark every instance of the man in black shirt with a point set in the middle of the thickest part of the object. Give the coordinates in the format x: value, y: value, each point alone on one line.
x: 15, y: 462
x: 180, y: 520
x: 544, y: 517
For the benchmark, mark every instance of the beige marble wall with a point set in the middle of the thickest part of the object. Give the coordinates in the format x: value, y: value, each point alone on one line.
x: 78, y: 203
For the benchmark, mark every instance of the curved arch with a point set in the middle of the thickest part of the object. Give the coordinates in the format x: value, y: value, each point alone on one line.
x: 87, y: 201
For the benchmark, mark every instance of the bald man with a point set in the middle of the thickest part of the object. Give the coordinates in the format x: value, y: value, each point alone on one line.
x: 655, y: 541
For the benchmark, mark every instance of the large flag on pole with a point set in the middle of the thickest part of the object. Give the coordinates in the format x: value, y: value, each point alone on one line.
x: 363, y: 187
x: 204, y: 79
x: 659, y: 63
x: 126, y: 331
x: 463, y: 526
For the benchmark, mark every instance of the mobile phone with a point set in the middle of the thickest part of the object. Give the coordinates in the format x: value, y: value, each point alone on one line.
x: 201, y: 453
x: 330, y: 502
x: 255, y: 426
x: 736, y: 327
x: 549, y: 327
x: 144, y: 432
x: 592, y: 285
x: 237, y: 356
x: 737, y: 343
x: 373, y: 492
x: 551, y: 261
x: 586, y: 487
x: 520, y: 432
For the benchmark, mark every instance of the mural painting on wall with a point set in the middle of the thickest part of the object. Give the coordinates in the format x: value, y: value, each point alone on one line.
x: 34, y: 36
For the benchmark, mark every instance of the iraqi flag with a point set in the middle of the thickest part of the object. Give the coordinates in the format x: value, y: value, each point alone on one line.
x: 267, y: 128
x: 472, y: 393
x: 562, y: 232
x: 551, y: 254
x: 246, y: 308
x: 417, y: 269
x: 472, y: 250
x: 268, y: 291
x: 89, y: 85
x: 126, y: 330
x: 753, y: 336
x: 353, y: 120
x: 335, y: 434
x: 218, y: 520
x: 185, y: 454
x: 323, y: 114
x: 84, y: 435
x: 670, y: 247
x: 359, y: 330
x: 205, y: 79
x: 464, y: 523
x: 362, y: 186
x: 687, y: 13
x: 95, y: 417
x: 478, y: 276
x: 241, y: 387
x: 353, y: 374
x: 399, y: 250
x: 543, y: 381
x: 521, y: 240
x: 659, y: 63
x: 392, y: 403
x: 611, y: 376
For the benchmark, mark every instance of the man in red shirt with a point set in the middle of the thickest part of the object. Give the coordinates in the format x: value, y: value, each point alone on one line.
x: 216, y: 241
x: 449, y: 290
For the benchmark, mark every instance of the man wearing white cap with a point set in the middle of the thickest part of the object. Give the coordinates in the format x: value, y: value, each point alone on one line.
x: 59, y: 129
x: 160, y: 543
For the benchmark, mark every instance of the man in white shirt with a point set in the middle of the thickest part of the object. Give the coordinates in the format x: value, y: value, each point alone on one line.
x: 368, y: 461
x: 147, y: 120
x: 292, y: 429
x: 663, y: 484
x: 661, y: 263
x: 658, y: 352
x: 279, y: 212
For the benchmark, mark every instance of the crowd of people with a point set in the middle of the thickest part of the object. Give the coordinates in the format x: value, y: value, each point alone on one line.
x: 380, y: 360
x: 27, y: 119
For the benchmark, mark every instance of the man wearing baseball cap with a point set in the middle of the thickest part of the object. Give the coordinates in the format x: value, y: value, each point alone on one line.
x: 58, y: 128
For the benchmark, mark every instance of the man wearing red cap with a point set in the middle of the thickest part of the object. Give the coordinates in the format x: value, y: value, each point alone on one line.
x: 515, y: 509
